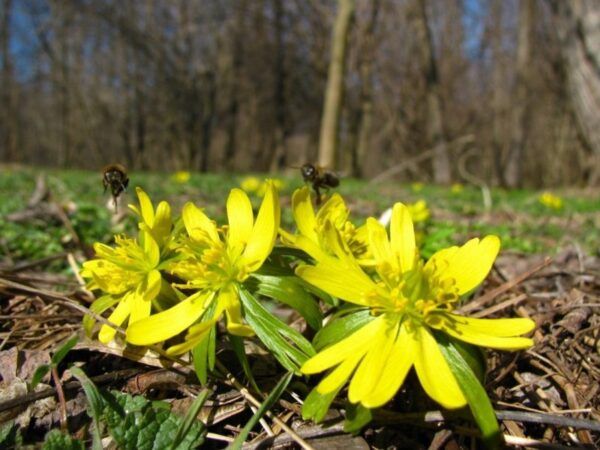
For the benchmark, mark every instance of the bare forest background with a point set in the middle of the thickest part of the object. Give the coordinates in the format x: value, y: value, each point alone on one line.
x: 503, y: 92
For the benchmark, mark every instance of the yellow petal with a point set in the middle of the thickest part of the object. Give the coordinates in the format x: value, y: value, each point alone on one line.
x: 151, y: 286
x: 494, y: 327
x: 310, y: 247
x: 229, y: 301
x: 304, y: 214
x: 434, y: 374
x: 195, y: 219
x: 264, y: 231
x: 140, y: 308
x: 467, y: 265
x: 151, y: 249
x: 240, y: 218
x: 146, y: 208
x: 368, y: 375
x: 162, y: 221
x: 338, y: 376
x: 164, y: 325
x: 192, y: 339
x: 402, y: 237
x: 379, y: 244
x: 353, y: 346
x: 118, y: 316
x: 334, y: 210
x: 397, y: 365
x: 346, y: 282
x: 478, y: 333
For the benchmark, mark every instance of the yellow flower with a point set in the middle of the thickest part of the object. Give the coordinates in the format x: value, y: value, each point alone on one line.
x: 128, y: 271
x: 311, y: 226
x: 158, y: 224
x: 550, y: 200
x: 250, y: 184
x: 417, y: 186
x: 419, y: 212
x: 279, y: 184
x: 214, y: 263
x: 456, y: 188
x: 181, y: 176
x: 408, y: 300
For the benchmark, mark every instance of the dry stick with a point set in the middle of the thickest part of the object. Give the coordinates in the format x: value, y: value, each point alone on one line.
x: 533, y: 443
x: 61, y: 399
x: 50, y: 392
x: 489, y: 296
x: 500, y: 306
x: 250, y: 398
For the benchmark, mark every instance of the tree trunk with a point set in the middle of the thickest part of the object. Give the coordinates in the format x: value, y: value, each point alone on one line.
x: 579, y: 34
x: 436, y: 129
x: 330, y: 122
x: 513, y: 174
x: 8, y: 127
x: 278, y: 158
x: 366, y: 94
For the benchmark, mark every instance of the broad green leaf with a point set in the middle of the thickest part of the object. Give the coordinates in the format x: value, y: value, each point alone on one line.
x: 477, y: 398
x: 95, y: 402
x: 473, y: 356
x: 341, y: 327
x: 264, y: 407
x: 10, y: 435
x: 190, y: 418
x: 275, y: 335
x: 56, y: 440
x: 357, y: 416
x: 316, y: 405
x: 289, y: 290
x: 138, y: 424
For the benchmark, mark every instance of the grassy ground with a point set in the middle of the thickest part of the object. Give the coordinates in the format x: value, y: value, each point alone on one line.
x: 522, y: 222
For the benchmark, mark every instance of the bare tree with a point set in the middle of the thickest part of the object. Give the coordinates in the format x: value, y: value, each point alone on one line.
x: 435, y: 127
x: 579, y: 33
x: 328, y: 138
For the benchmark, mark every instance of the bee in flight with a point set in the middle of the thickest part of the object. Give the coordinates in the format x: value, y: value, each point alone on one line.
x: 319, y: 179
x: 115, y: 176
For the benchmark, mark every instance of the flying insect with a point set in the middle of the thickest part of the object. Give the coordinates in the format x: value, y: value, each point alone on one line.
x: 115, y: 177
x: 319, y: 179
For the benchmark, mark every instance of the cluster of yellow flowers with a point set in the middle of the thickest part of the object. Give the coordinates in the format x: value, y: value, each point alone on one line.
x: 549, y: 200
x: 179, y: 277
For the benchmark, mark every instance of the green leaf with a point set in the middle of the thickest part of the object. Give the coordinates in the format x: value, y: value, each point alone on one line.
x: 316, y: 405
x: 95, y: 402
x: 264, y: 407
x: 203, y: 354
x: 275, y: 335
x: 289, y: 290
x: 190, y: 418
x: 55, y: 440
x: 477, y: 398
x: 341, y: 327
x: 63, y: 350
x: 237, y: 343
x: 138, y: 424
x: 10, y: 435
x: 39, y: 373
x: 473, y: 356
x: 357, y: 416
x: 98, y: 306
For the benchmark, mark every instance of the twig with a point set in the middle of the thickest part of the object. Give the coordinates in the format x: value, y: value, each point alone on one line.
x: 61, y: 399
x: 250, y: 398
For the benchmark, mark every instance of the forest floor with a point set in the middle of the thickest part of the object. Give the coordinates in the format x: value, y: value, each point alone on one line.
x: 548, y: 270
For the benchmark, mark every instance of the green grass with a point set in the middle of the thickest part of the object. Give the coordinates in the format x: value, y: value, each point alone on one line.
x: 517, y: 217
